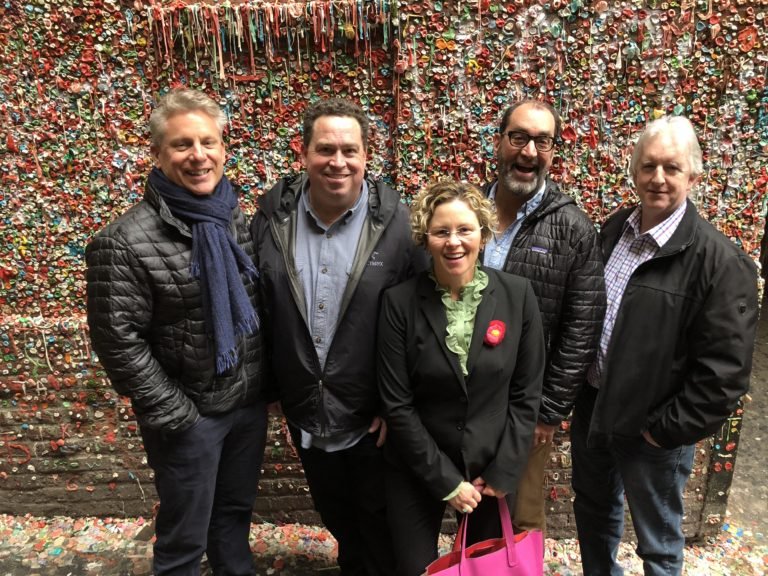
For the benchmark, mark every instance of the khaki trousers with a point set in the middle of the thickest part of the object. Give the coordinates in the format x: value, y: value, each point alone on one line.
x: 529, y: 506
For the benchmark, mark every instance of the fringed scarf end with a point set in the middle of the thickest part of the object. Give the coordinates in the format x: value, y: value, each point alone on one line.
x: 225, y: 361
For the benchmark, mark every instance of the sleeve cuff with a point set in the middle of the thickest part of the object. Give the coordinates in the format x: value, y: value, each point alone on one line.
x: 455, y: 491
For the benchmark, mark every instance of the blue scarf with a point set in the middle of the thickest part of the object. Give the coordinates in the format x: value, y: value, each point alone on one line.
x: 217, y: 261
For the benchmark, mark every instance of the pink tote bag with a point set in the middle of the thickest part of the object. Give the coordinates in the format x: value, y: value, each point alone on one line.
x: 511, y: 555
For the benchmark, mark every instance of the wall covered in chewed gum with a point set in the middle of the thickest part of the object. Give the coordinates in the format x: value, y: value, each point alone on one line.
x: 78, y: 80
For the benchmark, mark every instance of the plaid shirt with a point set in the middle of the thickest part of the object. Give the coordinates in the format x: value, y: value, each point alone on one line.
x: 631, y: 251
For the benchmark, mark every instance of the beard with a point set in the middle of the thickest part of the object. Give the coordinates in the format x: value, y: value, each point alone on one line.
x: 517, y: 187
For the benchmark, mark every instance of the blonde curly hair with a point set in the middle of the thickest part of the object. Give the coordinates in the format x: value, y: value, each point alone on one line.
x: 426, y: 202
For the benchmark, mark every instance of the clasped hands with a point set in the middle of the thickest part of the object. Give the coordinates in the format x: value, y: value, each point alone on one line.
x: 470, y: 494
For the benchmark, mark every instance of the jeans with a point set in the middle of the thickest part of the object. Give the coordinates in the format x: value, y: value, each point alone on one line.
x: 207, y: 478
x: 652, y: 479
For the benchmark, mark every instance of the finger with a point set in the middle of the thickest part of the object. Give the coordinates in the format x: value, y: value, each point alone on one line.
x: 382, y: 436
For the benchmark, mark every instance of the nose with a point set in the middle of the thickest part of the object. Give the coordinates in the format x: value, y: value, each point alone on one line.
x: 529, y: 149
x: 338, y: 158
x: 453, y: 238
x: 196, y: 152
x: 658, y: 175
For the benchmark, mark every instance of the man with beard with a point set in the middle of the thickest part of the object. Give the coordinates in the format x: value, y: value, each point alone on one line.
x: 544, y: 237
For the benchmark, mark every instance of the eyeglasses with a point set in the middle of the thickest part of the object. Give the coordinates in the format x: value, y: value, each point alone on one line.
x: 445, y: 234
x: 519, y: 139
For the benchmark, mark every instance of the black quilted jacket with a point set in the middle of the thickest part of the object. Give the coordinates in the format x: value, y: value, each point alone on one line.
x: 558, y: 250
x: 146, y: 320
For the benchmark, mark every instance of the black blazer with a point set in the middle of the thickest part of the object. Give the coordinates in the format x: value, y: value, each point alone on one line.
x: 444, y: 427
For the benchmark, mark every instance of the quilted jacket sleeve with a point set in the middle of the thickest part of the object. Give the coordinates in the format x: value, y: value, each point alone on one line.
x: 120, y: 304
x: 573, y: 344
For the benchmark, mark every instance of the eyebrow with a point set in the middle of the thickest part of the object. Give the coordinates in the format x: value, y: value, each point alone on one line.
x: 534, y: 134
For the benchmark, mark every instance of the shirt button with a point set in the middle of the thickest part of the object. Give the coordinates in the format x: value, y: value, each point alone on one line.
x: 329, y: 235
x: 321, y: 306
x: 324, y: 271
x: 318, y: 340
x: 460, y: 425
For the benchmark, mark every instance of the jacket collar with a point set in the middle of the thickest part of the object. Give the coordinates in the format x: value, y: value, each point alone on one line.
x: 553, y: 198
x: 683, y: 237
x: 283, y: 198
x: 434, y: 311
x: 154, y: 199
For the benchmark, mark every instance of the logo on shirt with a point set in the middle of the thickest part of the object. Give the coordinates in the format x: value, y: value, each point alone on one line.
x: 374, y: 259
x: 539, y: 250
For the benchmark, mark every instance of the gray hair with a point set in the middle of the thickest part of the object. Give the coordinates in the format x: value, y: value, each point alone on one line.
x: 180, y: 101
x: 679, y: 128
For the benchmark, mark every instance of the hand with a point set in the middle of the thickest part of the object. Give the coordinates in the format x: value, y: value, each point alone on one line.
x: 486, y: 489
x: 544, y: 433
x: 467, y: 498
x: 649, y: 439
x: 379, y: 424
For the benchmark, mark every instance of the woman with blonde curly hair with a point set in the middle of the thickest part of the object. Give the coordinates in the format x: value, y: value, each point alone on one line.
x: 461, y: 360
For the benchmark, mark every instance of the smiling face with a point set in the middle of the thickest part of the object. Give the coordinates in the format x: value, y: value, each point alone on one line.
x: 522, y: 171
x: 662, y: 177
x: 335, y: 163
x: 454, y: 257
x: 191, y: 153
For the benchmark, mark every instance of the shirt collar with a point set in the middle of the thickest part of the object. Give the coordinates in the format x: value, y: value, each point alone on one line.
x: 305, y: 205
x: 662, y: 232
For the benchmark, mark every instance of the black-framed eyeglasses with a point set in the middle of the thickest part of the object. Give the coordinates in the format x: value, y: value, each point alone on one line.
x: 520, y: 139
x: 445, y: 234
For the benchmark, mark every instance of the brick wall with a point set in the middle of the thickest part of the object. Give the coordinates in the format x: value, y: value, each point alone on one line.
x: 70, y: 446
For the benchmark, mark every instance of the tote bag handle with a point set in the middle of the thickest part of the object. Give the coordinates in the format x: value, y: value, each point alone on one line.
x: 506, y: 530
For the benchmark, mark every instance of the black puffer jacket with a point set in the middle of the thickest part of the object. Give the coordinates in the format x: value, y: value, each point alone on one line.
x: 558, y: 250
x: 344, y: 397
x: 147, y: 325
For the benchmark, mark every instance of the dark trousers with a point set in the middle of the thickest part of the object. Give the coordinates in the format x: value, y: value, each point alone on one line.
x: 415, y: 517
x: 347, y: 489
x: 207, y: 477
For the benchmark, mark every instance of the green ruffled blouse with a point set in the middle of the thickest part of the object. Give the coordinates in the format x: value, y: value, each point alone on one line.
x: 461, y: 315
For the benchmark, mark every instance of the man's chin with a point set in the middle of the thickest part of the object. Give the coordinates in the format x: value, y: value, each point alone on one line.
x: 522, y: 188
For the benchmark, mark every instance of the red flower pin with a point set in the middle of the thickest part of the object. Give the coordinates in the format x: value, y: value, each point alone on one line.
x: 495, y: 333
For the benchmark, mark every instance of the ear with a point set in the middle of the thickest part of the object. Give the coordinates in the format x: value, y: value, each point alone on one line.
x: 496, y: 141
x: 303, y: 155
x: 155, y: 151
x: 692, y: 181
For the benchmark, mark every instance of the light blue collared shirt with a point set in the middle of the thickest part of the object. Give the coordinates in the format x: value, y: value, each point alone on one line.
x: 495, y: 253
x: 324, y: 257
